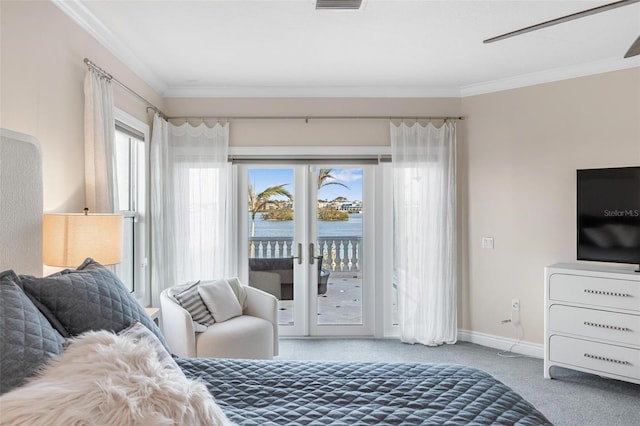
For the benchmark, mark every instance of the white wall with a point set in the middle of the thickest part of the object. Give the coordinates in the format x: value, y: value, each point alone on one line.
x: 522, y: 150
x: 315, y: 132
x: 41, y: 81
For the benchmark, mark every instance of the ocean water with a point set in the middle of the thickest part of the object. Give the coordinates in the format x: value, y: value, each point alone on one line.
x: 284, y: 229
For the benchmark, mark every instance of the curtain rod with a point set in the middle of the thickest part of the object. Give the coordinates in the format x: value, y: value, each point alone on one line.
x: 306, y: 118
x: 108, y: 76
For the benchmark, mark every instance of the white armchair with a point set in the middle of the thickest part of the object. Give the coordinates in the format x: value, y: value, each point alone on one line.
x: 253, y: 335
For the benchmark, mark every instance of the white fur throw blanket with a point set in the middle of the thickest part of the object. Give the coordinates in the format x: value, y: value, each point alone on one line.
x: 105, y: 379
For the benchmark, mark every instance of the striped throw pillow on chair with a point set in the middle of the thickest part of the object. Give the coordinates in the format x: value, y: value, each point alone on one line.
x: 190, y: 300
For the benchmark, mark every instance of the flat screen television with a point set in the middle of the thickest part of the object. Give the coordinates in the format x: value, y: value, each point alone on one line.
x: 608, y: 202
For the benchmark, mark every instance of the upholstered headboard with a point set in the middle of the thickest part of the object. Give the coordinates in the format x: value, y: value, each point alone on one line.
x: 20, y: 203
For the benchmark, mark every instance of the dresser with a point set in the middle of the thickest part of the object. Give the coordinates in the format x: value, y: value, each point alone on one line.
x: 592, y: 320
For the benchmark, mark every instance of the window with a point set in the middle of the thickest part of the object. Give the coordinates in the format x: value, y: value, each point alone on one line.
x: 130, y: 153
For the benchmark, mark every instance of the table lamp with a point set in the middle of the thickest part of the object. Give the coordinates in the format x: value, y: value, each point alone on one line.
x: 69, y: 238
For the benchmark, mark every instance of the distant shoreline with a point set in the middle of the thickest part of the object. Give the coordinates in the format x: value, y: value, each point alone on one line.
x: 284, y: 229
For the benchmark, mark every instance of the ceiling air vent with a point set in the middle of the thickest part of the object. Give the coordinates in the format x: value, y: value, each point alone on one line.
x: 338, y: 4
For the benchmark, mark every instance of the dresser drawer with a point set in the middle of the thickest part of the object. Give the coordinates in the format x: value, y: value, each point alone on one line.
x: 596, y: 324
x: 594, y: 356
x: 597, y: 291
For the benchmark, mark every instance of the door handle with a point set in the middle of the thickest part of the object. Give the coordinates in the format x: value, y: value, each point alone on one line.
x: 312, y: 253
x: 299, y: 256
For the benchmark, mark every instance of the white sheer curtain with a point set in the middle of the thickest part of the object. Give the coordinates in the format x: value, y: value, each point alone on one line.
x: 424, y: 170
x: 189, y: 220
x: 101, y: 189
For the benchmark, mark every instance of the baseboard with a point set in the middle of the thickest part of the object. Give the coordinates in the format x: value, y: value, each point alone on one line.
x: 525, y: 348
x: 501, y: 343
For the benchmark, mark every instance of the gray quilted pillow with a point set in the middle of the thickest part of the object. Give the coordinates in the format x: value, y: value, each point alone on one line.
x: 28, y: 339
x: 88, y: 298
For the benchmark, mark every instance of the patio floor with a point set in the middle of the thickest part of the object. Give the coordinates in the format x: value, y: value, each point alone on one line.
x: 341, y: 304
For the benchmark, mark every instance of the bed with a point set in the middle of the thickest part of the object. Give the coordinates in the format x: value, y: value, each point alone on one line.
x: 76, y: 344
x: 347, y: 393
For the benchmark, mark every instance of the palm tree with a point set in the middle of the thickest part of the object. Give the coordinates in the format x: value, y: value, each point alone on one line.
x: 325, y: 213
x: 326, y: 174
x: 258, y: 202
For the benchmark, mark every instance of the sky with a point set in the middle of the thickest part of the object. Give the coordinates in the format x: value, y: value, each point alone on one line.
x: 351, y: 177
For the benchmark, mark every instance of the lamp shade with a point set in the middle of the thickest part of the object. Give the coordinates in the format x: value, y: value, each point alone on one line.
x: 69, y: 238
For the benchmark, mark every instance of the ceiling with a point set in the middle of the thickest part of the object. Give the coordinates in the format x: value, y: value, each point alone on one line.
x: 387, y: 48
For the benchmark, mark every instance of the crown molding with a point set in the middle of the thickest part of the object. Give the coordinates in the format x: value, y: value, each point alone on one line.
x: 549, y: 76
x: 525, y: 80
x: 87, y: 20
x: 310, y: 92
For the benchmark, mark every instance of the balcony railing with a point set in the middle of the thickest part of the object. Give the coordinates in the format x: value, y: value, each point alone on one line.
x: 338, y: 253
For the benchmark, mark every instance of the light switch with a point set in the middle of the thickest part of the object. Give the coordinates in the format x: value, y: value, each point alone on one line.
x: 487, y: 242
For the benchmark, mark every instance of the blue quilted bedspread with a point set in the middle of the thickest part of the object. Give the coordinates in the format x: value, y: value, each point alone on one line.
x: 347, y: 393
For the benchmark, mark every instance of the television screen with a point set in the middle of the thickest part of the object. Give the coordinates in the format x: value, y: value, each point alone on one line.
x: 609, y: 215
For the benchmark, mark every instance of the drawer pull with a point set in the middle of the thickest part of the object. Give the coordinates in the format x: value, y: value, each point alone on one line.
x: 607, y: 293
x: 602, y: 358
x: 609, y: 327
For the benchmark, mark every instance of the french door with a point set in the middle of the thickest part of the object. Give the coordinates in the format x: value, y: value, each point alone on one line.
x: 305, y: 236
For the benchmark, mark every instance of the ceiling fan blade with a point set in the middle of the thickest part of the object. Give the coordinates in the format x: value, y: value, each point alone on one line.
x: 567, y: 18
x: 634, y: 49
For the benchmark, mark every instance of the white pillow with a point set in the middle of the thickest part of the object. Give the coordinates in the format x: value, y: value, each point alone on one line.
x: 239, y: 291
x: 220, y: 300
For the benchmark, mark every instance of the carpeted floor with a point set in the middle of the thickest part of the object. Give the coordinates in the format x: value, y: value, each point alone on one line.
x: 572, y: 398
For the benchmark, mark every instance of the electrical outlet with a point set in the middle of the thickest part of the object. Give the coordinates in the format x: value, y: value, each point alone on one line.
x: 515, y: 304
